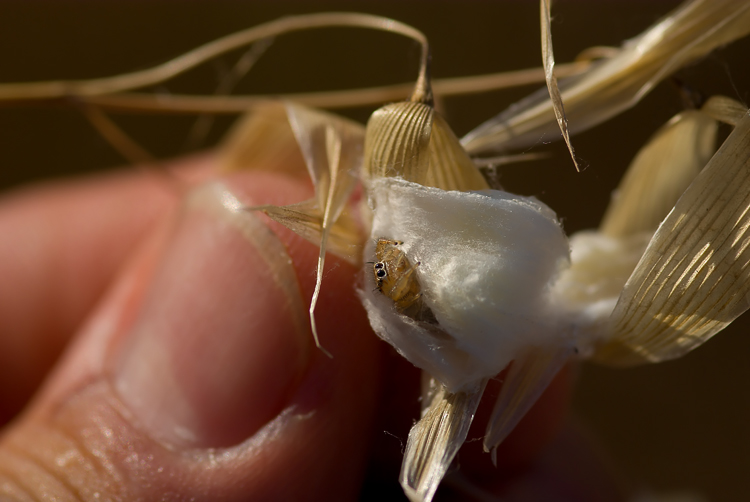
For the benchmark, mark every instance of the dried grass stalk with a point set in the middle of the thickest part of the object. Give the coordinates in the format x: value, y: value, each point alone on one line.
x: 694, y: 278
x: 436, y: 438
x: 724, y: 109
x: 548, y: 59
x: 612, y: 85
x: 331, y: 147
x: 660, y: 172
x: 527, y: 378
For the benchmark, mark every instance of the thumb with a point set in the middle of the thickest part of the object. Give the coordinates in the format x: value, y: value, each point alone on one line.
x: 196, y: 378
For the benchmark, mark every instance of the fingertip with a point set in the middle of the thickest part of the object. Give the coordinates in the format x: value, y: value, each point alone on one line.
x: 207, y: 409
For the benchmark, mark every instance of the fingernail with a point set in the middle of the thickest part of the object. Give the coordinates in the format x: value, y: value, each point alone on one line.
x: 218, y: 344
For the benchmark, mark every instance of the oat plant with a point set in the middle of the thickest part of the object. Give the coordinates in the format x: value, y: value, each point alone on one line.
x: 464, y: 279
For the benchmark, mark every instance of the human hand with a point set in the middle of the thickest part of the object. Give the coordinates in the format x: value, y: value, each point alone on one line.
x: 185, y: 372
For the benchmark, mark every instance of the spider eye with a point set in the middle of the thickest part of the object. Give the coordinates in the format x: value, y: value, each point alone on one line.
x: 380, y: 273
x: 379, y: 265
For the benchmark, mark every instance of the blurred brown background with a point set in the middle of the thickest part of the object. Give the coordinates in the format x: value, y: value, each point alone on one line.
x: 680, y: 425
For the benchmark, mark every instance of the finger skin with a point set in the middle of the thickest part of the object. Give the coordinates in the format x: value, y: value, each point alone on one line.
x: 62, y: 244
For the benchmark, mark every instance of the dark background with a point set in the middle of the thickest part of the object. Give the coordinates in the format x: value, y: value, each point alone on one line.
x: 681, y: 425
